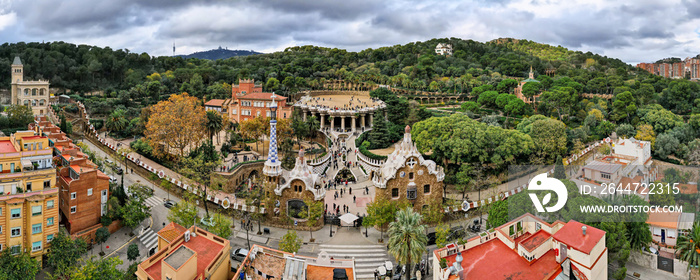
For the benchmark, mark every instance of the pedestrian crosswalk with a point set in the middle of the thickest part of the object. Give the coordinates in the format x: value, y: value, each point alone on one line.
x: 149, y: 238
x: 367, y: 257
x: 153, y: 201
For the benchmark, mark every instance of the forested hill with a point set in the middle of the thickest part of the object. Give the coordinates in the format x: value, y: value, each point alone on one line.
x: 218, y: 54
x: 414, y: 65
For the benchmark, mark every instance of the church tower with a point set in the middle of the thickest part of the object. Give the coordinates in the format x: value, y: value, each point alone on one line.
x: 17, y: 77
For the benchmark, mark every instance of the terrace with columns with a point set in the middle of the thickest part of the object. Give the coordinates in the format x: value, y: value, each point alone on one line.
x: 341, y: 113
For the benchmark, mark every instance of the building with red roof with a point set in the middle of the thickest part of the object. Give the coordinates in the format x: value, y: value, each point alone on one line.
x: 249, y: 101
x: 84, y: 188
x: 194, y: 254
x: 264, y: 263
x: 533, y: 250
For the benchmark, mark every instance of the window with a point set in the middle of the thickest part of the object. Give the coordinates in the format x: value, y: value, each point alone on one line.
x: 410, y: 175
x: 285, y: 115
x: 0, y: 208
x: 411, y: 193
x: 0, y: 229
x: 36, y: 210
x: 395, y: 192
x: 29, y: 187
x: 16, y: 232
x: 47, y: 184
x: 73, y: 195
x: 233, y: 111
x: 605, y: 175
x: 538, y: 226
x: 36, y: 228
x: 16, y: 213
x: 49, y: 204
x: 73, y: 209
x: 89, y: 192
x: 49, y: 222
x: 426, y: 189
x: 49, y: 238
x: 36, y: 246
x: 15, y: 249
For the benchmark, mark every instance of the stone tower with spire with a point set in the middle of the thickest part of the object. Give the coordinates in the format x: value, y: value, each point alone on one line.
x: 273, y: 166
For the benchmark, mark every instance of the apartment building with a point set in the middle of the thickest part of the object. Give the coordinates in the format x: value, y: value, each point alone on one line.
x: 84, y: 189
x: 28, y: 194
x: 688, y: 68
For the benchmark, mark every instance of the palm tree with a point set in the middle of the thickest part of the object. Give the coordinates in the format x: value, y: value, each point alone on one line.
x: 689, y: 246
x: 314, y: 125
x: 407, y: 239
x: 214, y: 124
x: 117, y: 121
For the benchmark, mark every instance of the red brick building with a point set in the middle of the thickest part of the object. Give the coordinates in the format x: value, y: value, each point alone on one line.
x: 249, y: 101
x: 83, y: 189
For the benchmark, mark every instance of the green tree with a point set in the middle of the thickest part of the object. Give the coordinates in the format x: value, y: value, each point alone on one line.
x: 135, y: 211
x: 625, y: 130
x: 272, y: 84
x: 214, y: 124
x: 441, y: 232
x: 549, y: 136
x: 64, y: 254
x: 183, y: 213
x: 290, y: 242
x: 132, y: 253
x: 221, y: 226
x: 312, y: 214
x: 531, y: 89
x: 498, y: 214
x: 666, y: 144
x: 688, y: 246
x: 379, y: 135
x: 17, y: 267
x: 98, y: 269
x: 407, y: 239
x: 313, y: 125
x: 559, y: 171
x: 380, y: 213
x: 101, y: 236
x: 117, y: 121
x: 19, y: 115
x: 200, y: 174
x: 506, y: 86
x: 624, y: 106
x: 638, y: 234
x: 470, y: 106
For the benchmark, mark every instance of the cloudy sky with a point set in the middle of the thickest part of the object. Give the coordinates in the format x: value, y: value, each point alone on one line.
x: 634, y: 31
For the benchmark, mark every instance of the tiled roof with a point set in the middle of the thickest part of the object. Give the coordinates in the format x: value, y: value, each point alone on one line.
x: 263, y: 96
x: 215, y: 102
x: 171, y: 231
x: 17, y: 61
x: 6, y: 147
x: 603, y: 166
x: 664, y: 220
x: 572, y: 235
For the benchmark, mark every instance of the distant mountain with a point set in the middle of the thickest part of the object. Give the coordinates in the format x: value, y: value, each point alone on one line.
x: 219, y: 53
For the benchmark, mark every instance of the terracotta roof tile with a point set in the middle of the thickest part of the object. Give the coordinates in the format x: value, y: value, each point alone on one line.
x: 171, y: 231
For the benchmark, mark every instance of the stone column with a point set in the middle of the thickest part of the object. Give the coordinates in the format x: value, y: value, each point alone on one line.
x: 305, y: 111
x: 323, y: 119
x: 332, y: 118
x: 386, y: 115
x: 353, y: 122
x: 362, y: 120
x: 342, y: 123
x: 371, y: 118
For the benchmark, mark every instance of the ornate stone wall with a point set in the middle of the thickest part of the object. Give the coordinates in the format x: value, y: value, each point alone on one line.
x: 421, y: 178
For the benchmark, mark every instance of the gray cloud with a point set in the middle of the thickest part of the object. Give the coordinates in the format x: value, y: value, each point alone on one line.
x: 626, y: 30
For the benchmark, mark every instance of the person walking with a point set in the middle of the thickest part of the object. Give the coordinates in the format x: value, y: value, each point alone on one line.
x: 353, y: 200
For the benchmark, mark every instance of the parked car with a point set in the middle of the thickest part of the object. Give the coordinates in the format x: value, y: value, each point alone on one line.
x: 112, y: 179
x: 169, y: 204
x: 239, y: 254
x: 117, y: 169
